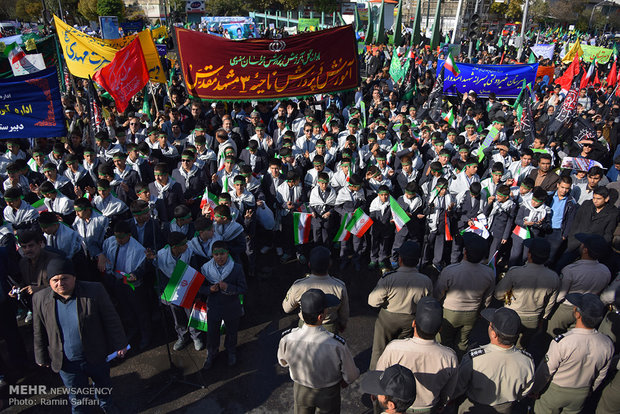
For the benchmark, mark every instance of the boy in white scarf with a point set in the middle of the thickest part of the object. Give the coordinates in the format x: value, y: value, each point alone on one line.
x: 290, y: 197
x: 382, y: 230
x: 535, y: 217
x: 413, y: 205
x: 226, y: 283
x: 500, y: 214
x: 322, y: 201
x: 165, y: 261
x: 440, y: 205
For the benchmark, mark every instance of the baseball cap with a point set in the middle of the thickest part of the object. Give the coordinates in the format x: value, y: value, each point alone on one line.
x: 539, y: 245
x: 429, y: 315
x: 595, y: 243
x: 315, y: 301
x: 396, y: 381
x: 504, y: 320
x: 589, y: 306
x: 59, y: 267
x: 409, y: 250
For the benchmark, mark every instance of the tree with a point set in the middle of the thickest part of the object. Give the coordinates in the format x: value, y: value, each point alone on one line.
x: 567, y: 11
x: 515, y: 10
x: 28, y: 10
x: 88, y: 9
x: 111, y: 8
x: 7, y: 10
x: 539, y: 10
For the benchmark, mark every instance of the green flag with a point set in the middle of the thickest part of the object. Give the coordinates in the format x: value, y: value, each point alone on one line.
x: 146, y: 105
x: 398, y: 26
x: 478, y: 44
x: 415, y: 36
x: 436, y: 26
x: 532, y: 58
x: 500, y: 42
x: 356, y: 19
x: 380, y: 35
x: 369, y: 32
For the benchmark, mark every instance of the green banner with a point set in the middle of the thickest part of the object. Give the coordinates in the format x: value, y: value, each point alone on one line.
x: 310, y: 25
x: 601, y: 54
x: 398, y: 70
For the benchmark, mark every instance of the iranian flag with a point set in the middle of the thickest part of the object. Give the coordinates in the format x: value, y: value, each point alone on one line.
x: 208, y: 198
x: 301, y: 227
x: 126, y: 279
x: 183, y: 285
x: 359, y: 223
x: 448, y: 233
x: 398, y: 214
x: 522, y: 232
x: 198, y: 317
x: 450, y: 65
x: 342, y: 234
x: 39, y: 205
x: 449, y: 118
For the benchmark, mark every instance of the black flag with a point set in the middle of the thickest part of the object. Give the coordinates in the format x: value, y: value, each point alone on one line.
x: 568, y: 108
x: 95, y: 113
x: 432, y: 106
x: 523, y: 105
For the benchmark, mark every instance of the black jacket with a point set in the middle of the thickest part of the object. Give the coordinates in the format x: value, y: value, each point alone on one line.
x: 587, y: 220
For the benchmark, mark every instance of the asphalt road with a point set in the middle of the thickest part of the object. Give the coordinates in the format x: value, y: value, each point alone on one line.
x: 257, y: 384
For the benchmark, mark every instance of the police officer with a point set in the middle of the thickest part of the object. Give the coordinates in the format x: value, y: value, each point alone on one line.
x: 611, y: 323
x: 393, y: 389
x: 435, y: 365
x: 495, y: 375
x: 576, y: 362
x: 319, y: 362
x: 586, y: 275
x: 464, y: 287
x: 397, y: 293
x: 319, y: 278
x: 530, y: 290
x: 610, y: 399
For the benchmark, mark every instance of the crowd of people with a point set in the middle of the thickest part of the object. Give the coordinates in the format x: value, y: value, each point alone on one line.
x: 216, y: 185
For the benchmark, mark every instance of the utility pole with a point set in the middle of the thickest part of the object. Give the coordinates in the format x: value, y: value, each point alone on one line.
x: 523, y: 24
x: 428, y: 12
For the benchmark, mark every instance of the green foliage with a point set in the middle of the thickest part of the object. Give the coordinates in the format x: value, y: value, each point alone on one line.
x: 28, y: 10
x: 568, y: 12
x: 88, y: 9
x: 539, y: 10
x: 514, y: 12
x: 111, y: 8
x: 499, y: 8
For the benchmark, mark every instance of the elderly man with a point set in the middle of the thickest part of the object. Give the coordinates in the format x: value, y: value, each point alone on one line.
x: 63, y: 341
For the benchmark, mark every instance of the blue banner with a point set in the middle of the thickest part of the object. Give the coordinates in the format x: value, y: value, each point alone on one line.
x: 30, y: 106
x: 504, y: 80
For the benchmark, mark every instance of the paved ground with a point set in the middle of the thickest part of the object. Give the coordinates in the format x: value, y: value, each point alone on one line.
x: 257, y: 384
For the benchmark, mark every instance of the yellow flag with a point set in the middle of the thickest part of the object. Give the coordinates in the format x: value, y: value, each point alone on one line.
x: 85, y: 54
x: 575, y: 48
x: 31, y: 45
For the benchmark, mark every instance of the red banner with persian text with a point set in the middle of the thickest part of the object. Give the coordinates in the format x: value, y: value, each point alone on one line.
x: 215, y: 68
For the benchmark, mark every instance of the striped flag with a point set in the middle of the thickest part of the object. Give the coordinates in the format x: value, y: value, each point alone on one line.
x: 450, y: 64
x: 449, y: 118
x: 183, y: 285
x: 125, y: 281
x: 301, y: 227
x: 225, y: 184
x: 198, y: 317
x: 209, y: 198
x: 522, y: 232
x: 447, y: 227
x: 39, y: 205
x: 342, y: 234
x: 359, y: 223
x: 398, y: 214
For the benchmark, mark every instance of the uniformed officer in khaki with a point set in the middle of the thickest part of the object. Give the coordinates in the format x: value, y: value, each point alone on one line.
x: 397, y: 293
x: 495, y: 376
x: 319, y: 362
x: 586, y: 275
x: 611, y: 322
x: 610, y: 399
x: 394, y: 389
x: 576, y: 362
x: 434, y: 365
x: 530, y: 290
x: 336, y: 317
x: 464, y: 287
